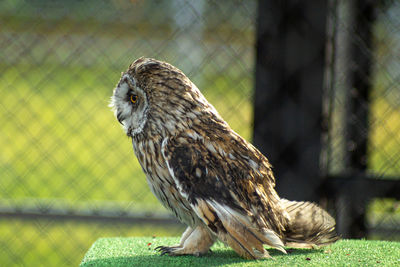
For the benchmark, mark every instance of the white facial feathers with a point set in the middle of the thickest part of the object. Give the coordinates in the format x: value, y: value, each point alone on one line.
x: 132, y: 116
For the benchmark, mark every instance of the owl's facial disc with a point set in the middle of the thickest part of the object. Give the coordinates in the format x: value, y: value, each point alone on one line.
x: 130, y: 105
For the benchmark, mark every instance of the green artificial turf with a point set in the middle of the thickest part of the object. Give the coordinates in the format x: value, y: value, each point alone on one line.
x: 140, y: 252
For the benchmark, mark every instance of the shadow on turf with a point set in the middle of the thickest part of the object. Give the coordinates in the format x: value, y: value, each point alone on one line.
x: 215, y: 258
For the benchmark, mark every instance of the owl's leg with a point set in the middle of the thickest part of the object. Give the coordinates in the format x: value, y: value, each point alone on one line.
x: 185, y: 235
x: 193, y: 242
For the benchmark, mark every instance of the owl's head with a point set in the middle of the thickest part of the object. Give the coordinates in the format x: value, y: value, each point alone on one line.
x: 155, y: 95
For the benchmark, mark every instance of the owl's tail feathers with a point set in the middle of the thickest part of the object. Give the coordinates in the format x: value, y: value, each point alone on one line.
x: 235, y: 230
x: 309, y: 225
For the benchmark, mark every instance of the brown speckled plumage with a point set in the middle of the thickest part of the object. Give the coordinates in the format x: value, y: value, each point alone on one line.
x: 212, y: 179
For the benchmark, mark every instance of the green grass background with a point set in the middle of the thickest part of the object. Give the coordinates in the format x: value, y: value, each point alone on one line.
x: 140, y: 252
x: 61, y: 145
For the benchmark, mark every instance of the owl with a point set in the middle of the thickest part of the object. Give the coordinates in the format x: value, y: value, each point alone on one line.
x: 207, y: 175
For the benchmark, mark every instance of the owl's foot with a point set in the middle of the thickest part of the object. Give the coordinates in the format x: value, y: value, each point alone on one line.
x: 167, y: 250
x: 177, y: 251
x: 195, y: 242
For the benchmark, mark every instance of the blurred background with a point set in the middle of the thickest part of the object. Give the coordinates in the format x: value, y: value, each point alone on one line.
x: 315, y: 86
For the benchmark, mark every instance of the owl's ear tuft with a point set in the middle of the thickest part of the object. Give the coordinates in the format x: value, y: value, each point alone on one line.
x: 143, y: 64
x: 148, y: 64
x: 138, y: 61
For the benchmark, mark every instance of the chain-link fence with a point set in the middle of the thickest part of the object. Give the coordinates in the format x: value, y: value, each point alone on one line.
x: 364, y: 77
x: 63, y: 154
x: 363, y: 110
x: 68, y: 173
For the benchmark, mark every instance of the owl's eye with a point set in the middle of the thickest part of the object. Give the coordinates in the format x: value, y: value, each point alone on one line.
x: 134, y: 98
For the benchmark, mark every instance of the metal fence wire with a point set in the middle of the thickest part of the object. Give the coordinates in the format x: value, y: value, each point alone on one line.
x: 63, y: 153
x: 68, y: 174
x: 362, y: 108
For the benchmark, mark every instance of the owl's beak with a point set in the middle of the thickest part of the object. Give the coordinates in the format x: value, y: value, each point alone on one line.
x: 119, y: 117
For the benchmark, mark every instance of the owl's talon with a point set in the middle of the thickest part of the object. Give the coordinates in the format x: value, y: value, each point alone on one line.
x: 163, y: 253
x: 167, y: 250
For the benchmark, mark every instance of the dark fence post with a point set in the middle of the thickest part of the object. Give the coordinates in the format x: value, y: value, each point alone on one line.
x: 348, y: 78
x: 288, y: 95
x: 360, y: 76
x: 356, y: 124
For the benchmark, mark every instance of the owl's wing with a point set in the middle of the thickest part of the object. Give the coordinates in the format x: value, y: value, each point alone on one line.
x: 224, y: 193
